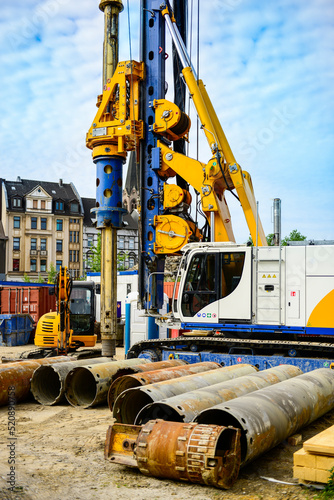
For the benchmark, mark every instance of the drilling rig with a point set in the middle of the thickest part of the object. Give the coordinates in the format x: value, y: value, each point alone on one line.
x: 234, y: 292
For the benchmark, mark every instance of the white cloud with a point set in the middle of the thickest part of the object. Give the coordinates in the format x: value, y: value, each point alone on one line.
x: 267, y: 68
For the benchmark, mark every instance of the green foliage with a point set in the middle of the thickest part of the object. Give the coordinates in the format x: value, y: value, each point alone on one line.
x: 27, y: 279
x: 121, y: 261
x: 52, y: 273
x: 328, y: 492
x: 293, y: 236
x: 270, y: 239
x: 95, y: 259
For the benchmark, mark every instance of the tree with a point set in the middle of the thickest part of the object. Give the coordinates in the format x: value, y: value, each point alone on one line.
x: 52, y: 273
x: 293, y: 236
x: 95, y: 259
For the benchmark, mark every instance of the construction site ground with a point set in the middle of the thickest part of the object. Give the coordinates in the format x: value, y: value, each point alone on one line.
x: 59, y: 455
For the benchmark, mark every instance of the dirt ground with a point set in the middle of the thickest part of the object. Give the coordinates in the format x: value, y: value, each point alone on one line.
x: 59, y: 455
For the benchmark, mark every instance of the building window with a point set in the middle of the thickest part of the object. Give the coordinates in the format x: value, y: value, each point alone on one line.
x: 16, y: 202
x: 16, y: 264
x: 33, y: 244
x: 33, y: 222
x: 43, y: 243
x: 34, y: 204
x: 74, y: 207
x: 59, y: 224
x: 60, y: 206
x: 43, y: 265
x: 90, y: 240
x: 43, y: 222
x: 121, y: 242
x: 77, y: 236
x: 59, y: 263
x: 16, y: 243
x: 133, y: 204
x: 71, y: 258
x: 32, y: 265
x: 131, y: 243
x: 17, y: 222
x: 43, y: 204
x: 132, y: 260
x: 59, y: 246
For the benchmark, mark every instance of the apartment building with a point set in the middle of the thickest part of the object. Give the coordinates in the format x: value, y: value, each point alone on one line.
x: 43, y: 222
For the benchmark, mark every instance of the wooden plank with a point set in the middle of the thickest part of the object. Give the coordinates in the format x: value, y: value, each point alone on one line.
x: 322, y: 443
x: 303, y: 458
x: 308, y: 474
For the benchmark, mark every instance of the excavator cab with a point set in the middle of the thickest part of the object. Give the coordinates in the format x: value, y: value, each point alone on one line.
x: 82, y: 315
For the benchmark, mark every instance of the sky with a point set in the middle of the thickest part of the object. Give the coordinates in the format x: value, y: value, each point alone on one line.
x: 268, y: 68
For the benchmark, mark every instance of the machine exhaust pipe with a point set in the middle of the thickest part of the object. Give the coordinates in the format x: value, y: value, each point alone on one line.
x: 88, y: 386
x: 268, y: 416
x: 185, y: 407
x: 132, y: 401
x: 277, y: 222
x: 130, y: 381
x: 48, y: 381
x: 18, y: 375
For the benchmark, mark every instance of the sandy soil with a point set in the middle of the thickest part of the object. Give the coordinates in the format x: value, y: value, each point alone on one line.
x: 59, y: 455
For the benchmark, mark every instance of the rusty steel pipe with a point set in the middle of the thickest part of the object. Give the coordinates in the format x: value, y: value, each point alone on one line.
x: 148, y: 367
x: 151, y: 377
x: 87, y: 386
x: 48, y: 381
x: 268, y: 416
x: 129, y: 403
x: 18, y: 375
x: 185, y: 407
x: 205, y: 454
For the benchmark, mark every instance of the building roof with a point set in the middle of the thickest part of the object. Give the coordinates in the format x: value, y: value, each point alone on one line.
x: 131, y: 176
x: 88, y: 204
x: 57, y: 190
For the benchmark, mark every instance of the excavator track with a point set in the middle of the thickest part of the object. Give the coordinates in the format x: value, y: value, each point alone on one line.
x: 220, y: 344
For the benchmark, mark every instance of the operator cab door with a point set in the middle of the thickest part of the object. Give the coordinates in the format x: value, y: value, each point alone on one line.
x: 217, y: 287
x: 199, y: 295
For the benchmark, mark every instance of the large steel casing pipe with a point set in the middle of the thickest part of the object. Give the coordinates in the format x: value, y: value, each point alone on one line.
x: 270, y: 415
x: 205, y: 454
x: 48, y: 381
x: 150, y: 377
x: 129, y: 403
x: 87, y: 386
x: 185, y: 407
x: 155, y: 365
x: 18, y: 375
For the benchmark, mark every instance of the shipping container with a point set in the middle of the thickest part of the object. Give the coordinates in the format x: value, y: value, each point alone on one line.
x: 26, y: 299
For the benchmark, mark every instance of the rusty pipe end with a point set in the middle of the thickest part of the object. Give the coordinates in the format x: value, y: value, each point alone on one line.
x: 46, y: 386
x: 115, y: 4
x: 80, y: 387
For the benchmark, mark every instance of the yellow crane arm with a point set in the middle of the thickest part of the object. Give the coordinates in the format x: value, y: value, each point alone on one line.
x: 230, y: 171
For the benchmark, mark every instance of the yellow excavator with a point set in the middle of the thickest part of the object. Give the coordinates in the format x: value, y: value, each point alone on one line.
x: 72, y: 325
